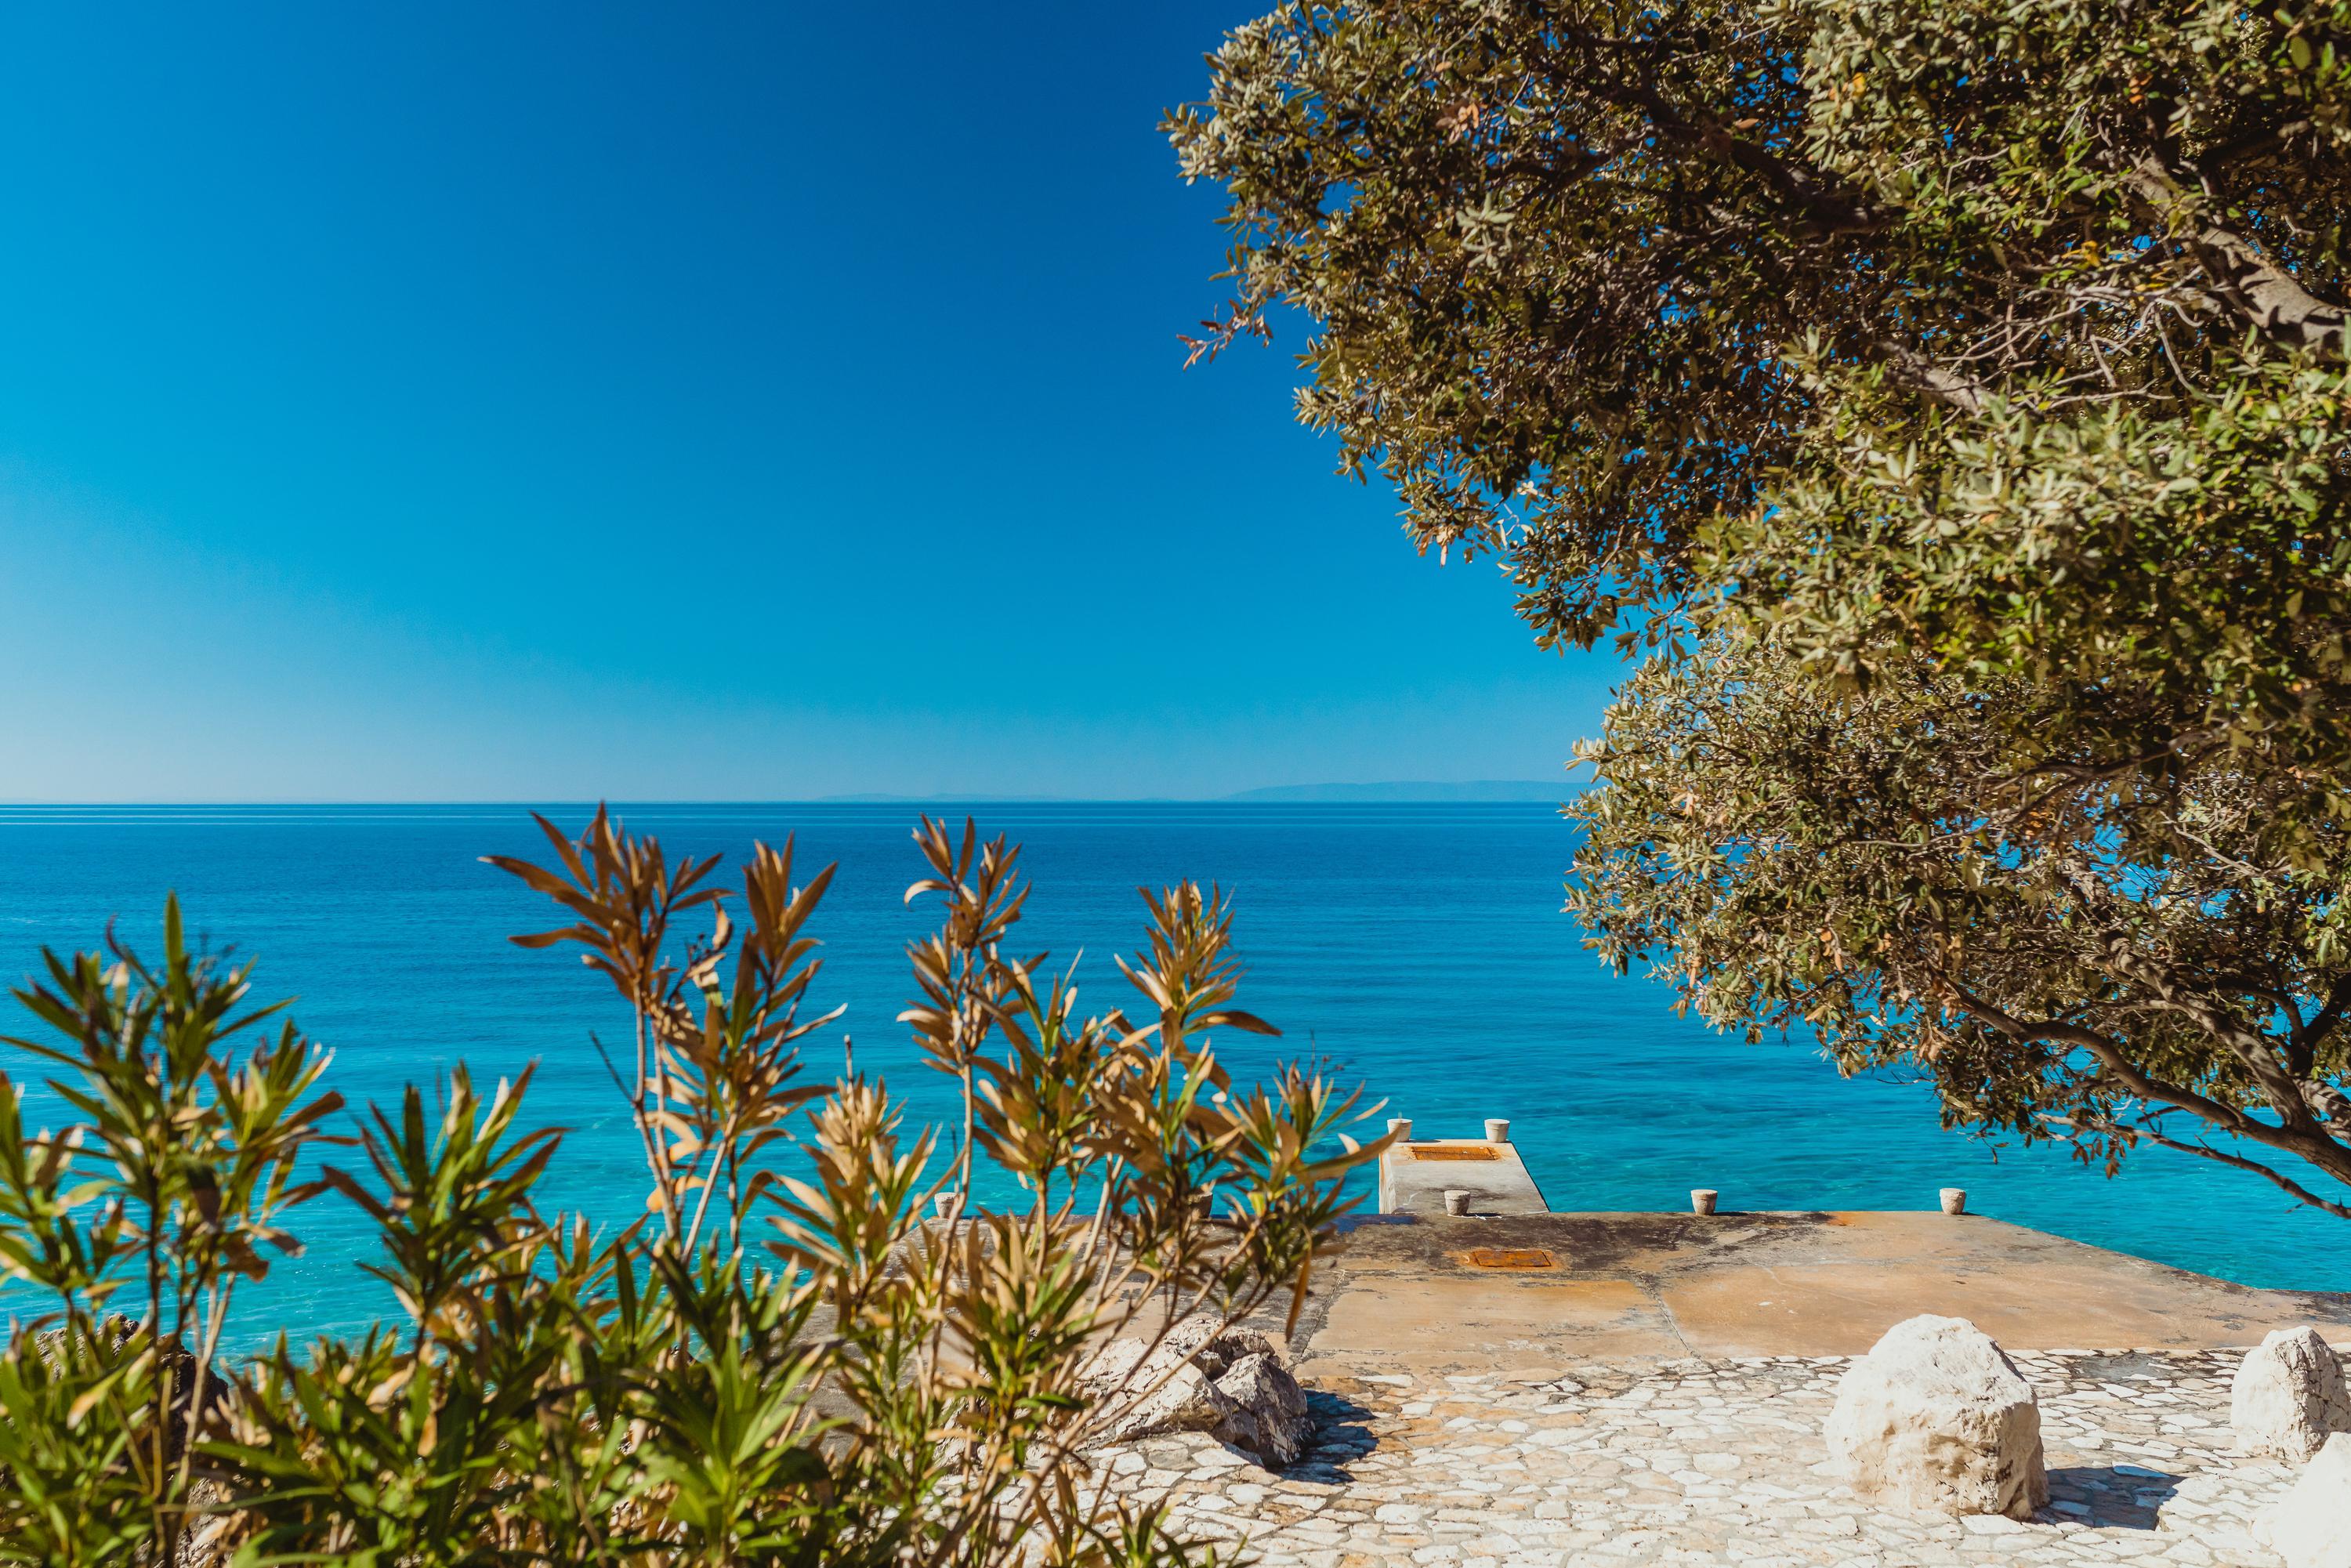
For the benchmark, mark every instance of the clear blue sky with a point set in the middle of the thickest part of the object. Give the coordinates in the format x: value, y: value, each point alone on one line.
x: 496, y: 402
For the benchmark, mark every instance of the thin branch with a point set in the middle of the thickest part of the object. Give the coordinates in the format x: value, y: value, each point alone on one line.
x: 2300, y: 1193
x: 2314, y: 1145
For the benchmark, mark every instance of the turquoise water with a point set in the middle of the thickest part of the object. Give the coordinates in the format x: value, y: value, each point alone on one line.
x: 1420, y: 946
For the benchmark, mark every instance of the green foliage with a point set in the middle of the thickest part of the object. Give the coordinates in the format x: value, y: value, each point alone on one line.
x: 1953, y: 393
x: 2090, y: 964
x: 178, y: 1171
x: 1583, y: 273
x: 76, y: 1492
x: 2181, y: 574
x: 869, y: 1385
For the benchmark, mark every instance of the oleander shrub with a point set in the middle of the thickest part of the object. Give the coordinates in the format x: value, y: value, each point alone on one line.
x: 810, y: 1348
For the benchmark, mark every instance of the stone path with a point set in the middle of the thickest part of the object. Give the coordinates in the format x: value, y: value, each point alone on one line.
x: 1712, y: 1462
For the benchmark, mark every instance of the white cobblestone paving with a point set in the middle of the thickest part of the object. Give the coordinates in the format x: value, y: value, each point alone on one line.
x: 1720, y: 1463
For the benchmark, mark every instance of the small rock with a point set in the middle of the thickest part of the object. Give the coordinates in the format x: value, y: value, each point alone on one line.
x: 2312, y: 1527
x: 1937, y: 1419
x: 2289, y: 1396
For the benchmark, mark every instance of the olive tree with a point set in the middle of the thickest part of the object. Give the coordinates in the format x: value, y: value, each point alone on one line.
x: 1951, y: 392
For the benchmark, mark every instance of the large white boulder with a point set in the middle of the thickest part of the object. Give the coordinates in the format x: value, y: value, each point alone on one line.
x: 1937, y: 1419
x: 1227, y: 1382
x: 2312, y: 1527
x: 2289, y: 1396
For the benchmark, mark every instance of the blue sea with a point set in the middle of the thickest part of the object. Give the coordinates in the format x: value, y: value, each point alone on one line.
x: 1418, y: 947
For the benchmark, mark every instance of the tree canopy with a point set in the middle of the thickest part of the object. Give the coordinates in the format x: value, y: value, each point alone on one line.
x: 1953, y: 392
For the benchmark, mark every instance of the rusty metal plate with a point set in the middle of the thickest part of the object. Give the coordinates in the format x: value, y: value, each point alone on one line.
x: 1453, y: 1152
x: 1509, y: 1258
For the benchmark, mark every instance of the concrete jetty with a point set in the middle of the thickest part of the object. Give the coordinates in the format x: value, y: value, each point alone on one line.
x: 1416, y: 1176
x: 1414, y: 1293
x: 1511, y: 1283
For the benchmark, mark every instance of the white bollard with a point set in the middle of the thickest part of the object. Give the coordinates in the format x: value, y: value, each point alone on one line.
x: 1498, y: 1130
x: 1955, y: 1200
x: 1702, y: 1199
x: 1457, y: 1201
x: 1402, y: 1128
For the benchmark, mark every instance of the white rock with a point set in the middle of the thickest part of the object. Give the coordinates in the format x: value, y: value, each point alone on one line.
x: 2312, y: 1527
x: 2289, y: 1396
x: 1937, y: 1419
x: 1146, y: 1389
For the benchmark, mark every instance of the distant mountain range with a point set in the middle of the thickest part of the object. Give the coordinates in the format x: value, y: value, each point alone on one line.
x: 1467, y: 790
x: 1391, y: 790
x: 875, y: 798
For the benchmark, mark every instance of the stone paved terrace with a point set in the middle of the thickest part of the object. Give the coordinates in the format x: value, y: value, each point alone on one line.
x: 1692, y: 1462
x: 1657, y: 1394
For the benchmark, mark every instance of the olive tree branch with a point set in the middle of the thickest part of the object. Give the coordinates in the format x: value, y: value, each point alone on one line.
x: 2204, y: 1151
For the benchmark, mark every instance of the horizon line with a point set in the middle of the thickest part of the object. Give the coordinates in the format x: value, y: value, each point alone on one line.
x: 1406, y: 792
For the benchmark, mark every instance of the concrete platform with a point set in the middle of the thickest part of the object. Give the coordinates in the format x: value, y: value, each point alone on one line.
x: 1430, y: 1294
x: 1414, y: 1177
